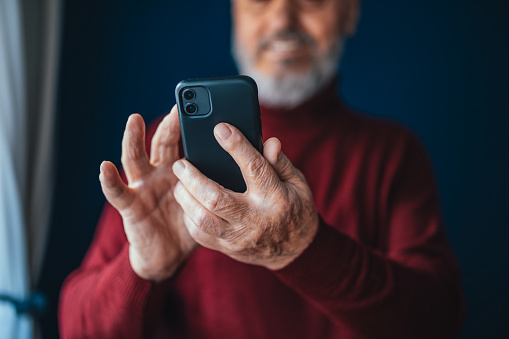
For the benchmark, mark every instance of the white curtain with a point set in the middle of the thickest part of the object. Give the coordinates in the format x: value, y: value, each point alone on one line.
x: 29, y: 39
x: 42, y: 47
x: 14, y: 280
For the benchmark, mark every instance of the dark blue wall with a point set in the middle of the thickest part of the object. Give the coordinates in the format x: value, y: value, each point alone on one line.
x: 438, y: 66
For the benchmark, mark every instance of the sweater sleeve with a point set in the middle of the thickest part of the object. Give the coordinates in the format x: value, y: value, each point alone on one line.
x: 104, y: 298
x: 411, y: 288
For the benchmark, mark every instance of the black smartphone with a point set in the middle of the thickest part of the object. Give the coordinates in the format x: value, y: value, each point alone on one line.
x: 204, y: 103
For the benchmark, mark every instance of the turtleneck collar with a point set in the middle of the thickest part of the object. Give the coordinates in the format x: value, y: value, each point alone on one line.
x: 315, y: 110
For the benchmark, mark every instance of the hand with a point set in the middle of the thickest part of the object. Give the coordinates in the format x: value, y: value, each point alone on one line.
x: 153, y: 221
x: 269, y: 225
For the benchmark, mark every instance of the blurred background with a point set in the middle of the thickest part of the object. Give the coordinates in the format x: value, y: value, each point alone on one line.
x: 438, y: 66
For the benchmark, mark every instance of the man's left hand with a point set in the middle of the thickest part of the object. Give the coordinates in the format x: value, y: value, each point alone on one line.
x: 269, y: 225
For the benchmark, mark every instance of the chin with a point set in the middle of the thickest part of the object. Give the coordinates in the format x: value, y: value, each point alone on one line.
x: 289, y: 89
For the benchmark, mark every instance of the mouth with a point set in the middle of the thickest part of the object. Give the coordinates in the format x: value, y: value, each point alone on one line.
x: 285, y: 46
x: 286, y: 49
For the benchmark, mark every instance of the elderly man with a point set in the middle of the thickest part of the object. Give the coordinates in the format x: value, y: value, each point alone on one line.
x: 338, y: 235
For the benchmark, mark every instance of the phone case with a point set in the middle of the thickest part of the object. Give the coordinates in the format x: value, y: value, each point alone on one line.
x: 233, y: 100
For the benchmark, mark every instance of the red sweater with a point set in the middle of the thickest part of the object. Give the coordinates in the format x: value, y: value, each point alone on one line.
x: 379, y: 267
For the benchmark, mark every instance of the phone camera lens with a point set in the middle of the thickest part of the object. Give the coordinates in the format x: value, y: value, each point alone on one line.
x: 189, y: 94
x: 191, y: 108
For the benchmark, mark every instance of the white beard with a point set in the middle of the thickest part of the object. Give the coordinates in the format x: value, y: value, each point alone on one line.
x: 290, y: 89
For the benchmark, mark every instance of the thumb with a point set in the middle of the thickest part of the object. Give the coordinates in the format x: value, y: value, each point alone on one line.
x: 115, y: 191
x: 283, y: 167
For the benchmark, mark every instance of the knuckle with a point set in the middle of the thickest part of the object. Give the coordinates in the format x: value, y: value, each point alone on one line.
x: 213, y: 201
x: 135, y: 150
x: 205, y: 222
x: 221, y: 202
x: 256, y: 167
x: 202, y: 220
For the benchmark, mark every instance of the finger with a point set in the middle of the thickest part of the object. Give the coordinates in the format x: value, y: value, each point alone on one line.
x: 256, y: 170
x: 205, y: 220
x: 202, y: 238
x: 208, y: 193
x: 164, y: 147
x: 116, y: 192
x: 283, y: 167
x: 134, y: 155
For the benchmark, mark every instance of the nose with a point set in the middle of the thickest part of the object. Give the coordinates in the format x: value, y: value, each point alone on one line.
x: 285, y: 15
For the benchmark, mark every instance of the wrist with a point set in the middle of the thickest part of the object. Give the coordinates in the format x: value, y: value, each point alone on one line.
x: 297, y: 246
x: 155, y: 268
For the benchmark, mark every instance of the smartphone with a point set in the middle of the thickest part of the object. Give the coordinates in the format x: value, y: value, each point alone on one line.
x: 204, y: 103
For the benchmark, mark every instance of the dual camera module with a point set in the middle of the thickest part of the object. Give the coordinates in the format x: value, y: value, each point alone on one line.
x: 195, y: 101
x: 190, y: 107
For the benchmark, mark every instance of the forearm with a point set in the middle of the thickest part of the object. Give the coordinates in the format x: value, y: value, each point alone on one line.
x: 371, y: 295
x: 108, y: 301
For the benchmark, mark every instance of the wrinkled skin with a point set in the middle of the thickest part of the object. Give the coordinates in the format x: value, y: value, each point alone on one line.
x: 269, y: 225
x: 153, y: 220
x: 166, y: 215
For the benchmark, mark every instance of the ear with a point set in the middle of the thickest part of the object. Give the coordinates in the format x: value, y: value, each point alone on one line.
x: 351, y: 17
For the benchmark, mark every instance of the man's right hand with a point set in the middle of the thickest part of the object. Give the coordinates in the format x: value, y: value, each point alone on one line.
x: 153, y: 220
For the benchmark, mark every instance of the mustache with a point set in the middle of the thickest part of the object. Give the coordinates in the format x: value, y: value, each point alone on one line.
x: 287, y: 34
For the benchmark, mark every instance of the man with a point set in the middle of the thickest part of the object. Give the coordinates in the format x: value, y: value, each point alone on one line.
x: 339, y: 236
